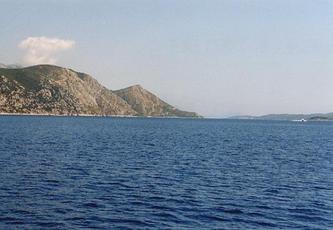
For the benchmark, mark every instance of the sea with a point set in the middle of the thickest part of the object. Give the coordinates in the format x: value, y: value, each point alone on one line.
x: 150, y: 173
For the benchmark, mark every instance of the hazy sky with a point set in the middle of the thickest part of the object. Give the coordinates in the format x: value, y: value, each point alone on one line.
x: 217, y: 58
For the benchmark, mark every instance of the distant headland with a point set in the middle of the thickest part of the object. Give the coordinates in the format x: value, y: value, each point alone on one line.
x: 290, y: 117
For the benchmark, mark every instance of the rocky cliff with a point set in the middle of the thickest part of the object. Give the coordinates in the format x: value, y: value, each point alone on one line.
x: 46, y: 89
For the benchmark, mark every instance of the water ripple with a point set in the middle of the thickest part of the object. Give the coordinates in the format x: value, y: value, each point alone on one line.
x: 108, y: 173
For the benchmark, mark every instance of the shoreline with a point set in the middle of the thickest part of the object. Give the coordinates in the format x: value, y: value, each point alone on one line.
x: 91, y: 115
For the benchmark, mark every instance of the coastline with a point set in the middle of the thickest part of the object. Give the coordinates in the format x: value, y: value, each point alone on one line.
x: 91, y: 115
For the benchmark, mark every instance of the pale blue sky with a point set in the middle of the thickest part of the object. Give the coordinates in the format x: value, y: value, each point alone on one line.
x: 217, y: 58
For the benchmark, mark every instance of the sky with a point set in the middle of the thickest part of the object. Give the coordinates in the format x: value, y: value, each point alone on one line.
x: 218, y: 58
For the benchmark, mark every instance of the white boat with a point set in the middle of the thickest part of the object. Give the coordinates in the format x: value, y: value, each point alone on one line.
x: 301, y: 120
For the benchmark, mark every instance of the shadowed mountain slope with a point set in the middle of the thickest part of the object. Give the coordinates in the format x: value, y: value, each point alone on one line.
x: 148, y: 104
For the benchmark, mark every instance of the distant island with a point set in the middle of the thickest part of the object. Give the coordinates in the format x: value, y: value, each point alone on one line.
x: 290, y: 117
x: 53, y: 90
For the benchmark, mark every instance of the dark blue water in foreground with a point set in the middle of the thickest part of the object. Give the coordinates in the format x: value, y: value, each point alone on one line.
x: 108, y: 173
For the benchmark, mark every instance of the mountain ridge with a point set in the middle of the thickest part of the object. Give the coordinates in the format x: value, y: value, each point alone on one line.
x: 147, y: 103
x: 54, y: 90
x: 11, y: 66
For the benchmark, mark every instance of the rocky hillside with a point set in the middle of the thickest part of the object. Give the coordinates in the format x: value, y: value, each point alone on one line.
x: 148, y: 104
x: 46, y: 89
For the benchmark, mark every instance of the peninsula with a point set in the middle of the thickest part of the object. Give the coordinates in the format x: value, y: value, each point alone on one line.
x: 290, y: 117
x: 53, y: 90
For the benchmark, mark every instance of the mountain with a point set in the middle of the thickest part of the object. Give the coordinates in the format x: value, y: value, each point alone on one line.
x: 47, y: 89
x: 148, y: 104
x: 289, y: 117
x: 12, y: 66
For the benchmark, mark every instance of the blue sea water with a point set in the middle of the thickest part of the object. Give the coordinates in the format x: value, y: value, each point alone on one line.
x: 132, y: 173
